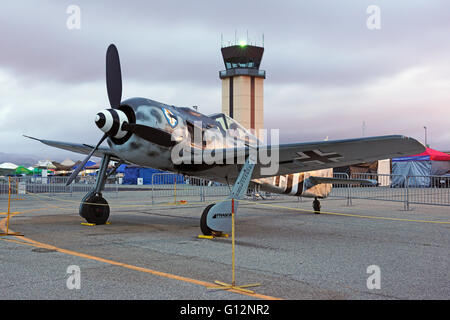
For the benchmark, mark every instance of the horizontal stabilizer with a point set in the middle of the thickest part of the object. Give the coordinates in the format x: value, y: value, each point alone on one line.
x: 312, y: 181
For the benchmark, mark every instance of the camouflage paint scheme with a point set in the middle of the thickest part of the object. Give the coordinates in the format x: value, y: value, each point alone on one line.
x: 144, y: 153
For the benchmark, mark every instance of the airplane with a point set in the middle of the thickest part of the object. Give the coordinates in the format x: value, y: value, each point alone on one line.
x: 153, y: 134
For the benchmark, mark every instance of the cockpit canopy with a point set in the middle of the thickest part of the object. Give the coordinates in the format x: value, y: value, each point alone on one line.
x: 233, y: 127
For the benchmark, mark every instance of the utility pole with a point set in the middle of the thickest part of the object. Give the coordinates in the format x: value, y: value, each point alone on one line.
x: 426, y: 144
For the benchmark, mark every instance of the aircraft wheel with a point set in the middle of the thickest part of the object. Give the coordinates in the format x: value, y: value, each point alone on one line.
x: 95, y: 209
x: 204, y: 227
x: 316, y: 206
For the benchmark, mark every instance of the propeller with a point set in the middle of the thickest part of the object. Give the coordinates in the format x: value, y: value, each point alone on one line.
x: 113, y: 77
x: 114, y: 89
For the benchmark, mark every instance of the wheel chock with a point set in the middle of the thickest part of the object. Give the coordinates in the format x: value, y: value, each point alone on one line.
x: 213, y: 236
x: 92, y: 224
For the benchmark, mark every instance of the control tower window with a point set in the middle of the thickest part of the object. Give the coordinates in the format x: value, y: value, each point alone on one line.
x: 232, y: 65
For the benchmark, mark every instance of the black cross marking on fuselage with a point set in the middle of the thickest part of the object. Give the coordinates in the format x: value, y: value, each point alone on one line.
x: 314, y: 155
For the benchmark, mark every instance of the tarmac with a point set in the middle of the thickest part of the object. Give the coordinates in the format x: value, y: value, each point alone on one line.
x: 154, y: 252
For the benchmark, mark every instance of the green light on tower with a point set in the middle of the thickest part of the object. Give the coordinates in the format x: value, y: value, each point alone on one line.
x: 242, y: 43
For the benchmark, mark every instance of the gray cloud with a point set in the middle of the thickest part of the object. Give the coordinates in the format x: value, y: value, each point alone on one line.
x: 325, y: 69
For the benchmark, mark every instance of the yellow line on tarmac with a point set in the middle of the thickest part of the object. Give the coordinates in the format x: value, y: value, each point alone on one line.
x: 28, y: 241
x: 343, y: 214
x: 24, y: 211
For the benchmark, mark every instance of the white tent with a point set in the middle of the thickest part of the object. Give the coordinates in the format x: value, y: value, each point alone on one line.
x: 45, y: 164
x: 68, y: 163
x: 8, y: 165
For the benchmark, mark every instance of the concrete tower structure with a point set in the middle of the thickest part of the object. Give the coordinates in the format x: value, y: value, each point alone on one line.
x: 243, y: 84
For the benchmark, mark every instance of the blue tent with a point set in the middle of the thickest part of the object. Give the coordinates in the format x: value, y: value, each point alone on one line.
x: 132, y: 173
x: 121, y: 168
x: 88, y: 164
x: 420, y: 167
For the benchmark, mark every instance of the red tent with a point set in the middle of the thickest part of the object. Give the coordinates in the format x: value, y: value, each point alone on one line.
x: 433, y: 155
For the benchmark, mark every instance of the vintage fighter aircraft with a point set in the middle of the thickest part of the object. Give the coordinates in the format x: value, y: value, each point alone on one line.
x: 146, y: 132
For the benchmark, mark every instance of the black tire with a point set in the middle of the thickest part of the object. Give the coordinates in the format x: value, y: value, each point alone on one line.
x: 82, y: 210
x: 203, y: 226
x: 95, y: 210
x: 316, y: 206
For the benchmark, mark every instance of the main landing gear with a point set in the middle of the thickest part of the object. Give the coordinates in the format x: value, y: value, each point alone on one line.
x: 94, y: 208
x: 203, y: 226
x: 217, y: 217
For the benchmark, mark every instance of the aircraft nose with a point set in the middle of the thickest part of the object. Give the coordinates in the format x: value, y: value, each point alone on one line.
x: 105, y: 121
x: 110, y: 121
x: 100, y: 120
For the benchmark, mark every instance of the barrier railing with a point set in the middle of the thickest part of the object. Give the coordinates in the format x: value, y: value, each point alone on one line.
x: 385, y: 189
x: 171, y: 187
x: 51, y: 185
x: 167, y: 186
x: 341, y: 190
x: 429, y: 190
x: 433, y: 190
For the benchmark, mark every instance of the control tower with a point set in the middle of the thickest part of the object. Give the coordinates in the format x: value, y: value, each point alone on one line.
x: 243, y: 84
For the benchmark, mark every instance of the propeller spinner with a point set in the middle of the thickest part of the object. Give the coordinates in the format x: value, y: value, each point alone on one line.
x: 110, y: 121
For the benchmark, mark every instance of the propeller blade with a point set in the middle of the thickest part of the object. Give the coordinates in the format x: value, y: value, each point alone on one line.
x: 113, y: 77
x: 150, y: 134
x: 81, y: 165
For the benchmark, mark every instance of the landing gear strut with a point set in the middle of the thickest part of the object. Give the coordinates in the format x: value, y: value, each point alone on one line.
x: 316, y: 206
x: 94, y: 208
x: 217, y: 218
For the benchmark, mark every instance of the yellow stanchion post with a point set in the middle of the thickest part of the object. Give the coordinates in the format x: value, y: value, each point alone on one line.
x: 223, y: 285
x: 9, y: 213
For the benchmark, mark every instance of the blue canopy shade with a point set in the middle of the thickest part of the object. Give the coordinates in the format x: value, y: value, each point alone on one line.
x: 412, y: 158
x: 121, y: 168
x: 88, y: 164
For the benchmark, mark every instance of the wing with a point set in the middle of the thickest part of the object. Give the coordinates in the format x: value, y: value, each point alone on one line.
x: 301, y: 157
x: 78, y: 148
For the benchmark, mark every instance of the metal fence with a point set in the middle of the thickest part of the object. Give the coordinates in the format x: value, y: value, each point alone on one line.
x: 170, y: 187
x: 51, y: 185
x: 167, y: 185
x: 429, y: 190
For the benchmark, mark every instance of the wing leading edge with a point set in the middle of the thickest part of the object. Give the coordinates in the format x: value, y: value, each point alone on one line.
x: 78, y: 148
x: 302, y: 157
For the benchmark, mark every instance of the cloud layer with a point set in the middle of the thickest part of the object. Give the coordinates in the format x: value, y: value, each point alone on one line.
x: 326, y: 71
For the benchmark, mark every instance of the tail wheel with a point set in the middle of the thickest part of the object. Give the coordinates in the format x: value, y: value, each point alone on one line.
x: 316, y: 206
x: 95, y: 209
x: 204, y: 227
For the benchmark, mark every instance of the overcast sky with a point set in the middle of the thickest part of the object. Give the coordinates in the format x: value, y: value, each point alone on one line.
x: 327, y: 72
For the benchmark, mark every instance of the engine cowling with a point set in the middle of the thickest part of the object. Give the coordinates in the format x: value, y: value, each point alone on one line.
x: 110, y: 121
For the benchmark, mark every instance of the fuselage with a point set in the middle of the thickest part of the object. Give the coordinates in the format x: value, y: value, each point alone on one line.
x: 189, y: 130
